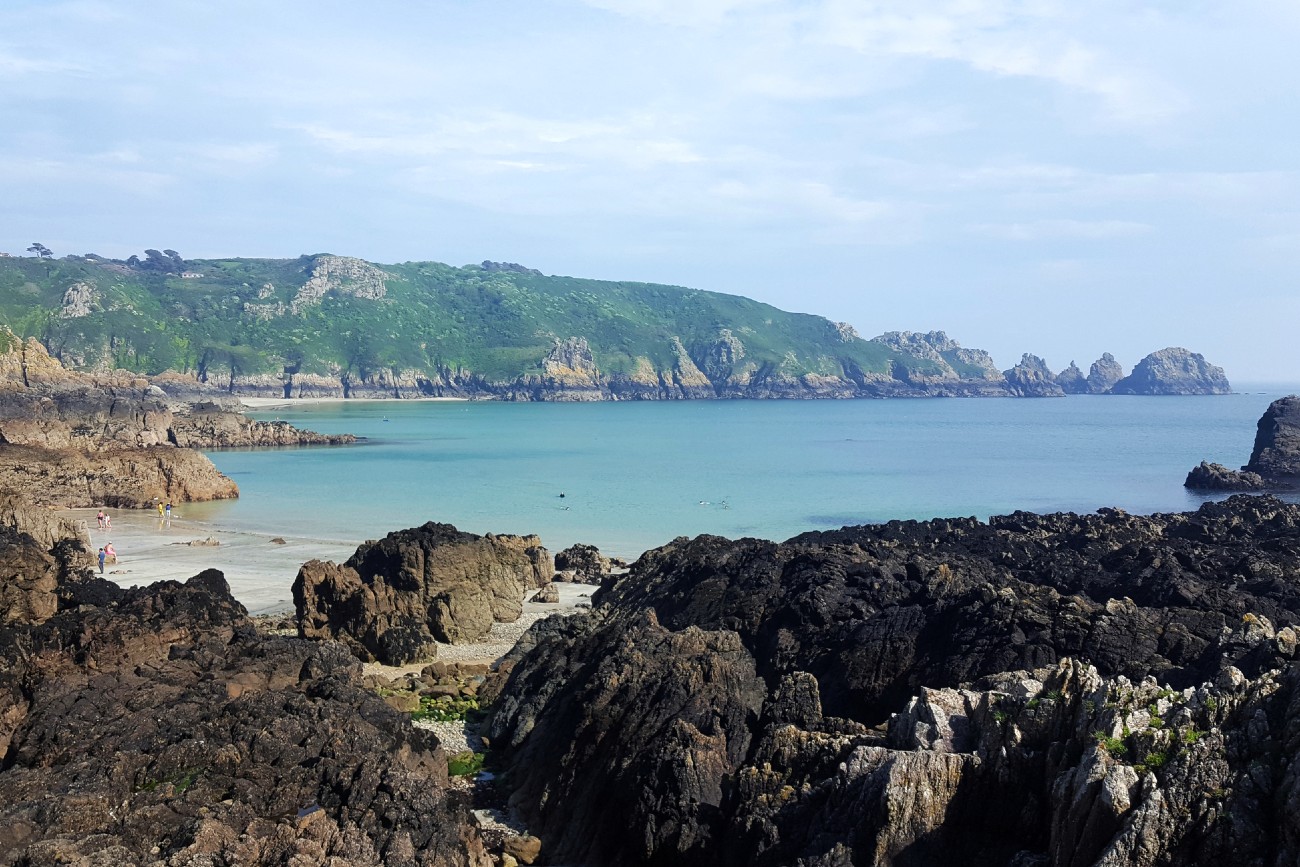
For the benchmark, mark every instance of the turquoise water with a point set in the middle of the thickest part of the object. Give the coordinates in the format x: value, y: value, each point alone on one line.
x: 635, y: 475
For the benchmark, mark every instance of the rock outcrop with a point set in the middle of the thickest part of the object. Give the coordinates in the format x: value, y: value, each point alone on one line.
x: 583, y: 564
x: 1053, y: 689
x: 394, y: 598
x: 157, y: 726
x: 69, y: 439
x: 1274, y: 461
x: 1032, y: 378
x: 1072, y: 381
x: 1103, y: 374
x: 1174, y: 371
x: 1276, y: 454
x: 209, y: 426
x: 1216, y: 477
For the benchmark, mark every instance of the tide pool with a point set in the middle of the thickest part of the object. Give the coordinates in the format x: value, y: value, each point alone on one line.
x: 630, y: 476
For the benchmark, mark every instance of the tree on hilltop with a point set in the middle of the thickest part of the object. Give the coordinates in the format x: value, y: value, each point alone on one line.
x: 40, y: 250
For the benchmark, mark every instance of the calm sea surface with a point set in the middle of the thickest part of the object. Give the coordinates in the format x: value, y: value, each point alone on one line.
x: 635, y: 475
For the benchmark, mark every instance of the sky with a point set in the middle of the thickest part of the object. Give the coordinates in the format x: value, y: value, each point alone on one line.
x: 1060, y: 178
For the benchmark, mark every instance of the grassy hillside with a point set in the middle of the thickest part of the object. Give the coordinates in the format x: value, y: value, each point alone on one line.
x: 324, y: 314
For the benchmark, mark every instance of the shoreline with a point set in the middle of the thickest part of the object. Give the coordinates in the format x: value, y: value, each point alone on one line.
x: 280, y: 402
x: 260, y: 572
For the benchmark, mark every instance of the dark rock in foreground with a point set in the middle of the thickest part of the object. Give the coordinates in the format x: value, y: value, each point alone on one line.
x: 156, y: 726
x: 1174, y: 371
x: 1053, y: 689
x: 394, y: 598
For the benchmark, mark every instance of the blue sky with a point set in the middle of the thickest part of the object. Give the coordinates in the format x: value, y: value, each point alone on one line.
x: 1061, y: 178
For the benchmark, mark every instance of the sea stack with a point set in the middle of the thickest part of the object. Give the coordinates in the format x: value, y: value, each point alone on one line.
x: 1274, y: 462
x: 1174, y: 370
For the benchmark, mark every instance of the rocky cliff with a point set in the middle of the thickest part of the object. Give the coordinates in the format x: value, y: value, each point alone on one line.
x: 1052, y: 690
x: 395, y: 597
x: 157, y: 726
x: 1174, y: 371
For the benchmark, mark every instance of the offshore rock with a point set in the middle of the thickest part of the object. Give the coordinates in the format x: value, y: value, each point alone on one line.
x: 156, y: 726
x: 1217, y: 477
x: 1103, y: 374
x: 1032, y: 378
x: 1055, y: 689
x: 1072, y: 381
x: 393, y: 599
x: 1274, y: 461
x: 1174, y: 371
x: 1276, y: 453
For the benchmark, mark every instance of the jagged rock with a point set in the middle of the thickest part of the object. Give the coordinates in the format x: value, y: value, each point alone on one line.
x: 1032, y: 378
x: 1174, y: 371
x: 1277, y: 440
x: 1063, y: 689
x: 1072, y: 381
x: 582, y: 563
x: 1103, y: 374
x: 720, y: 359
x: 656, y: 727
x: 342, y: 275
x: 1217, y: 477
x: 394, y: 598
x: 156, y: 726
x: 569, y: 372
x: 80, y: 299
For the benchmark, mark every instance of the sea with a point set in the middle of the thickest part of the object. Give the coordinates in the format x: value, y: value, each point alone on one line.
x: 629, y: 476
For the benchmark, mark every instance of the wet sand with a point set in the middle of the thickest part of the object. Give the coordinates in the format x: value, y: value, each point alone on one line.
x: 260, y: 572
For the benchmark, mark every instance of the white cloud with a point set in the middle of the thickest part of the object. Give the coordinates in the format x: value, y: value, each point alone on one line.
x: 1045, y: 229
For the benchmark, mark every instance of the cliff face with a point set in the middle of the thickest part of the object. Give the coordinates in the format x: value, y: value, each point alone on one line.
x: 1054, y: 690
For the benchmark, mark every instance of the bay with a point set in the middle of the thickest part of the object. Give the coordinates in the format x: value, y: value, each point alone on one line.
x: 630, y: 476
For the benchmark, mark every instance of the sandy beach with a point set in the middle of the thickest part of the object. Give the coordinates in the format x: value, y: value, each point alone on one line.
x: 260, y: 571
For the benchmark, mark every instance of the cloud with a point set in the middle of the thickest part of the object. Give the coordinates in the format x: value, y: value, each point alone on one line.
x: 632, y: 141
x: 14, y: 65
x: 1046, y: 229
x: 686, y: 13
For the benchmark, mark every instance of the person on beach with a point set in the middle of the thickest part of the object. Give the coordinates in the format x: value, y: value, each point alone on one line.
x: 108, y: 522
x: 169, y: 511
x: 99, y: 519
x: 160, y: 508
x: 101, y: 561
x: 110, y: 553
